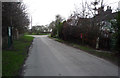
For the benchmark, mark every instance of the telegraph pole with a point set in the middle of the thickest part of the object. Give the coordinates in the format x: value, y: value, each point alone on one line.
x: 31, y: 21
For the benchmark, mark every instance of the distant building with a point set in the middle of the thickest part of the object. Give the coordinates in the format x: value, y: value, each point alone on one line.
x: 105, y: 15
x: 103, y: 18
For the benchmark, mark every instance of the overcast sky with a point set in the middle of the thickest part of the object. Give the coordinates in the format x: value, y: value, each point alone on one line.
x: 44, y: 11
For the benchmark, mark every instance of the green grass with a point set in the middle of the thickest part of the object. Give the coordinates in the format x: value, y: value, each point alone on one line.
x: 39, y: 33
x: 102, y: 54
x: 13, y: 59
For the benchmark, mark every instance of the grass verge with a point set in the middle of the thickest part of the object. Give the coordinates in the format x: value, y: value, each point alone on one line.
x: 13, y: 59
x: 37, y: 34
x: 102, y: 54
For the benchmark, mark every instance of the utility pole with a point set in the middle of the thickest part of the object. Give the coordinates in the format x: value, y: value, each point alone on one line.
x: 31, y: 24
x: 31, y: 21
x: 102, y: 3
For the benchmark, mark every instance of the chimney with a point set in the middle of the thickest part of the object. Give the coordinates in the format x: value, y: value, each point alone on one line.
x: 109, y: 10
x: 101, y: 10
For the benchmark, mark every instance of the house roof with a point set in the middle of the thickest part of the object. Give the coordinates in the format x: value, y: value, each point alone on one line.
x: 105, y: 16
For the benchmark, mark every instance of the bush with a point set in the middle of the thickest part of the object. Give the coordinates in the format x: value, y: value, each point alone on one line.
x: 54, y: 32
x: 116, y: 35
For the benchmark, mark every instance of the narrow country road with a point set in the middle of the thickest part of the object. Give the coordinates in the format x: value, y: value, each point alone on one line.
x: 51, y: 58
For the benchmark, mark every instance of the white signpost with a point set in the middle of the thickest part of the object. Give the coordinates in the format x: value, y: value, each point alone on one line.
x: 9, y: 31
x: 9, y: 37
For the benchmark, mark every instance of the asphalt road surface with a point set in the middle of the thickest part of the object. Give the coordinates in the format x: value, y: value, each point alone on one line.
x: 51, y: 58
